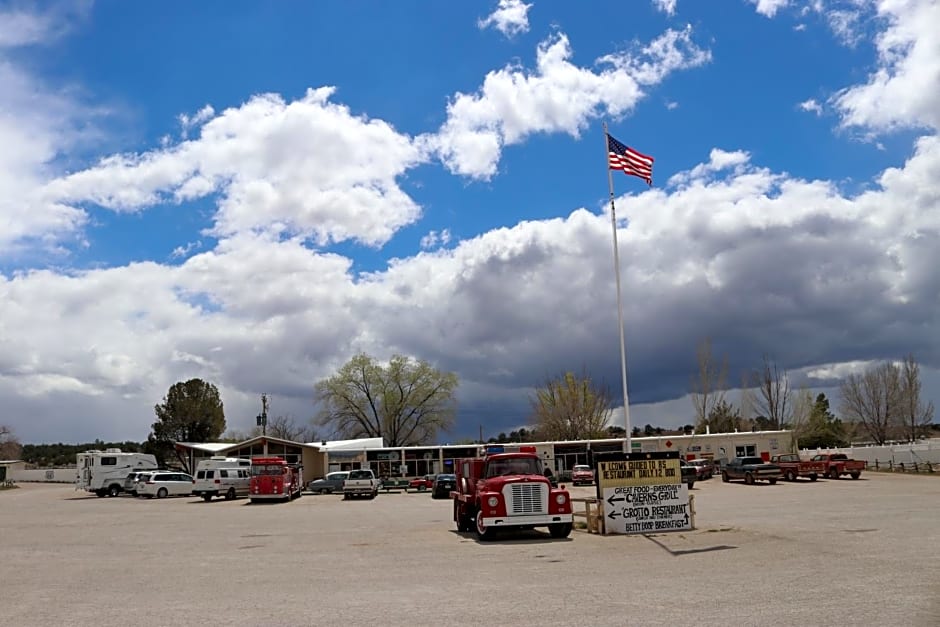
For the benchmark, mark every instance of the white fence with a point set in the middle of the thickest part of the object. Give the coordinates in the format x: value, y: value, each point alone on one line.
x: 44, y: 475
x: 927, y: 451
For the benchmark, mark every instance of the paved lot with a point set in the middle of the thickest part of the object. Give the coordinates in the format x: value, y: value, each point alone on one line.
x: 826, y: 553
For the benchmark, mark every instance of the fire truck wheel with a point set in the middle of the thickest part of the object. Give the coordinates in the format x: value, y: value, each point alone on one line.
x: 483, y: 532
x: 560, y: 530
x: 463, y: 518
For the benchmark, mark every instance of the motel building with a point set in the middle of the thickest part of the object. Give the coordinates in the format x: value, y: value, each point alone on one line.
x: 319, y: 458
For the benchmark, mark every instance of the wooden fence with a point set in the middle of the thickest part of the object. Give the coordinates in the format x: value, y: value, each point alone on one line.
x: 914, y: 467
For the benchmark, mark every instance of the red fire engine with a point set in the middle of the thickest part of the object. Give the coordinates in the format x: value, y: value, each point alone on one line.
x: 274, y: 478
x: 509, y: 490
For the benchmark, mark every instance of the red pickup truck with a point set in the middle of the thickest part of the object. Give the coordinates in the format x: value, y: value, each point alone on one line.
x: 838, y: 464
x: 792, y: 467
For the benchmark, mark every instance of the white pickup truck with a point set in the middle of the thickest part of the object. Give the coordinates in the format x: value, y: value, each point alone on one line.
x: 360, y: 483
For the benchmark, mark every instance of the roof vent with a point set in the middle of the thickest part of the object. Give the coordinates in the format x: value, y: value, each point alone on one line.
x: 112, y: 450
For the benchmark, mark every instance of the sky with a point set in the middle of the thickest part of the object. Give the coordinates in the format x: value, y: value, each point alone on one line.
x: 252, y: 193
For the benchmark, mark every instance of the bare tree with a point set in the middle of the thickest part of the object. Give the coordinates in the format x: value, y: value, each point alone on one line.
x: 873, y: 400
x: 773, y: 399
x: 914, y: 415
x: 708, y: 384
x: 287, y: 428
x: 571, y: 407
x: 9, y: 444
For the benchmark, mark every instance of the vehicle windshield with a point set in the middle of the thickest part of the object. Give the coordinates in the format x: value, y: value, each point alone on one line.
x: 270, y: 469
x: 447, y: 478
x: 360, y: 474
x: 581, y: 468
x: 513, y: 466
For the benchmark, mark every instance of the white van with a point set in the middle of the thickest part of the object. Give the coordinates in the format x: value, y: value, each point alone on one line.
x: 222, y: 476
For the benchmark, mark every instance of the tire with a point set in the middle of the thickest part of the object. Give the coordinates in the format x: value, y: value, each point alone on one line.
x: 560, y: 530
x: 483, y: 533
x: 422, y: 488
x: 206, y: 497
x: 772, y: 481
x: 114, y: 489
x: 345, y: 496
x: 690, y: 484
x: 463, y: 517
x: 748, y: 478
x: 855, y: 475
x: 833, y: 473
x: 230, y: 495
x: 162, y: 493
x: 101, y: 493
x: 724, y: 476
x: 813, y: 477
x: 325, y: 491
x: 791, y: 476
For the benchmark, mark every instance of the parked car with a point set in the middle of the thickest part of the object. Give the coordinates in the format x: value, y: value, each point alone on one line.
x: 360, y: 483
x: 792, y: 467
x: 834, y: 465
x: 582, y: 474
x: 332, y: 482
x: 130, y: 483
x: 703, y: 468
x: 162, y: 484
x: 422, y: 483
x: 443, y: 484
x: 751, y: 469
x: 689, y: 475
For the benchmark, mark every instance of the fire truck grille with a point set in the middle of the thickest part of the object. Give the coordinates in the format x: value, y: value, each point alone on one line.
x: 526, y: 498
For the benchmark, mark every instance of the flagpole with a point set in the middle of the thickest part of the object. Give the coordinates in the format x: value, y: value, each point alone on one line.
x: 623, y: 350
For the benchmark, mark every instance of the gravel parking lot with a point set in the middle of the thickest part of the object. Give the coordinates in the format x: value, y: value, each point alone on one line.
x: 825, y: 553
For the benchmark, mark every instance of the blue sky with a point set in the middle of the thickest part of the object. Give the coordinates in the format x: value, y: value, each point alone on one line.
x: 251, y: 193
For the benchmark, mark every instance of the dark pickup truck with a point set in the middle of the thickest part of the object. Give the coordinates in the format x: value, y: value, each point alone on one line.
x: 750, y: 469
x: 792, y: 467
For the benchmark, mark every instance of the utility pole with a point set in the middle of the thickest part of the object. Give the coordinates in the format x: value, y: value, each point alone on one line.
x: 263, y: 416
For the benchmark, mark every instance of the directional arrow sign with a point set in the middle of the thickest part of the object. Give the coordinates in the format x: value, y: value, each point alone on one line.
x: 613, y: 499
x: 614, y: 514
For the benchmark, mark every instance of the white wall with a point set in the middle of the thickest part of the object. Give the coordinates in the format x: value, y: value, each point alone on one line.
x: 926, y: 451
x: 46, y: 475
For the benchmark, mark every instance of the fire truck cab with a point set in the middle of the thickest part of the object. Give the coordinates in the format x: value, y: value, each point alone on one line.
x: 272, y: 478
x: 509, y: 490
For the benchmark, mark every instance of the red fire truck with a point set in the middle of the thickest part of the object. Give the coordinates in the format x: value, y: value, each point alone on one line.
x: 273, y: 478
x: 505, y: 490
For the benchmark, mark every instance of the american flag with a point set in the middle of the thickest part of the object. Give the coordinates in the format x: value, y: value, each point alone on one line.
x: 622, y: 157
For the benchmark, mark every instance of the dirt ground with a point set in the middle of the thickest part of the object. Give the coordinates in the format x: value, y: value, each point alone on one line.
x: 825, y: 553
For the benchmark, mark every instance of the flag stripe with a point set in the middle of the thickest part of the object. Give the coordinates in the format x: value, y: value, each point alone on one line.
x: 629, y: 161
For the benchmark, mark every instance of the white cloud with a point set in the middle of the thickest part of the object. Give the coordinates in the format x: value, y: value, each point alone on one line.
x: 188, y: 122
x: 718, y: 160
x: 902, y: 91
x: 672, y: 105
x: 510, y: 18
x: 811, y: 106
x: 41, y: 122
x: 769, y: 8
x: 556, y: 97
x: 434, y: 239
x: 666, y: 6
x: 306, y: 167
x: 183, y: 251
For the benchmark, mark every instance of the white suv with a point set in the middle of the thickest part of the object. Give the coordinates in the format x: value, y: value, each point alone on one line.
x: 162, y: 484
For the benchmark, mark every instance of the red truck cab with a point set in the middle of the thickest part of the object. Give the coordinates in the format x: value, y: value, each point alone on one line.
x: 272, y: 478
x: 509, y: 490
x: 793, y: 467
x: 837, y: 464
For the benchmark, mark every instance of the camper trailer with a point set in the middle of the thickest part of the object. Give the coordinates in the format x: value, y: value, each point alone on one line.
x: 222, y: 476
x: 103, y: 472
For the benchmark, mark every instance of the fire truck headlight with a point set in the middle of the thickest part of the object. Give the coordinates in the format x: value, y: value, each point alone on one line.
x: 492, y: 501
x: 560, y: 499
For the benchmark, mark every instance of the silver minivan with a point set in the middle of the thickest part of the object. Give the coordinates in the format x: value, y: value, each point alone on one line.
x: 164, y: 483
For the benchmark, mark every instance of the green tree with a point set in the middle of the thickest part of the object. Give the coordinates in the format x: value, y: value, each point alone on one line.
x: 823, y: 429
x: 723, y: 417
x: 571, y: 407
x: 406, y: 402
x: 191, y: 411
